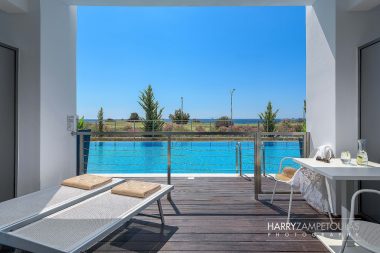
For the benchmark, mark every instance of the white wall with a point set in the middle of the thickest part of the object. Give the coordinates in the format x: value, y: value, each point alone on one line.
x: 353, y: 30
x: 58, y: 91
x: 46, y: 38
x: 320, y: 72
x: 23, y: 31
x: 320, y: 76
x: 334, y: 34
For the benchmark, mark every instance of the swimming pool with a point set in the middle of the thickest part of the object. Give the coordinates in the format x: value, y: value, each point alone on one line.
x: 186, y: 157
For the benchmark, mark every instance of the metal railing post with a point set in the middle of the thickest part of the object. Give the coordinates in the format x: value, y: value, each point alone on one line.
x: 81, y: 155
x: 237, y: 157
x: 306, y: 144
x: 257, y: 174
x: 169, y: 180
x: 240, y: 161
x: 263, y: 161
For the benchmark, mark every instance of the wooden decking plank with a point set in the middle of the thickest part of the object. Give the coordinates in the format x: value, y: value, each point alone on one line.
x: 214, y: 215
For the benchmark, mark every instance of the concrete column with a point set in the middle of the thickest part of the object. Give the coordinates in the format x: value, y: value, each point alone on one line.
x: 58, y: 91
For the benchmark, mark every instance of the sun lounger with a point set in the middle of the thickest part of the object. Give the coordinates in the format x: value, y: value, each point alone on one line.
x: 20, y: 211
x: 80, y: 226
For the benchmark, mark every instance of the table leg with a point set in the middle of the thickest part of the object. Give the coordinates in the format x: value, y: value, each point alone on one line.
x: 346, y: 191
x: 329, y: 199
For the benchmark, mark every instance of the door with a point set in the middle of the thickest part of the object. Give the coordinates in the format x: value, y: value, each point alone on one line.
x: 8, y: 68
x: 370, y: 120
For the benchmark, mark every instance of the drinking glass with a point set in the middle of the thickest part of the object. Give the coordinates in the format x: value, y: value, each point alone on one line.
x: 345, y: 156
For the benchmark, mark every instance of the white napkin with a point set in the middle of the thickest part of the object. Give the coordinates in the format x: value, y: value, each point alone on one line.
x: 325, y: 152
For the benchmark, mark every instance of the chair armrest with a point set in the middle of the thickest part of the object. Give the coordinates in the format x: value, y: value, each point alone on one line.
x: 353, y: 200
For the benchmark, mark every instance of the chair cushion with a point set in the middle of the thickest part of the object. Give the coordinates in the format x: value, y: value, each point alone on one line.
x: 86, y: 181
x: 366, y: 234
x: 282, y: 177
x: 286, y: 175
x: 289, y: 172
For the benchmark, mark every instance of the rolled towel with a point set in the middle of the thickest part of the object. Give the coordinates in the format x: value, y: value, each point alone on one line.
x: 134, y: 188
x: 86, y: 181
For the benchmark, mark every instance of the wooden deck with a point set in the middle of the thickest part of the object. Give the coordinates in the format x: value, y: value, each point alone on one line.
x: 214, y: 215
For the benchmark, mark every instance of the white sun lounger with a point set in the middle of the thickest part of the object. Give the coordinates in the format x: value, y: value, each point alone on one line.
x: 80, y: 226
x: 28, y: 208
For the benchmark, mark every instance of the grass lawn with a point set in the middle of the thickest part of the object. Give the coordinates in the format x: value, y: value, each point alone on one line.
x: 127, y: 126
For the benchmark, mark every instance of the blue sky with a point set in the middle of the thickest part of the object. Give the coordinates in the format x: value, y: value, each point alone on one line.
x: 200, y: 53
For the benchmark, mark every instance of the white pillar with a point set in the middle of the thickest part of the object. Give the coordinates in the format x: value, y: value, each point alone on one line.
x: 320, y: 72
x: 58, y: 91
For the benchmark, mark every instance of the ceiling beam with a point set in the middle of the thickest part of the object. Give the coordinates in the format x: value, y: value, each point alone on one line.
x: 363, y: 5
x: 191, y: 2
x: 14, y: 6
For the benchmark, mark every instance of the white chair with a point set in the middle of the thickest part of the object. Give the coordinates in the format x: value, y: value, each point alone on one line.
x: 364, y: 233
x: 288, y: 179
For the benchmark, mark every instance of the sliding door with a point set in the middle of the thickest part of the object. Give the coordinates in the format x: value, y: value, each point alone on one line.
x: 8, y: 68
x: 370, y: 120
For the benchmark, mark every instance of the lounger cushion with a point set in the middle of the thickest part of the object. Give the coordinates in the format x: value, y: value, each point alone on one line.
x: 86, y: 181
x: 134, y: 188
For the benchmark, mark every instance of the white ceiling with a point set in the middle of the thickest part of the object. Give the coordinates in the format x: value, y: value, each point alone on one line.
x: 19, y: 6
x: 189, y: 2
x: 14, y: 6
x: 363, y: 5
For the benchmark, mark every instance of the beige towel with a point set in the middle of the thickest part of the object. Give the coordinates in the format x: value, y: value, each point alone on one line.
x: 134, y: 188
x: 86, y: 181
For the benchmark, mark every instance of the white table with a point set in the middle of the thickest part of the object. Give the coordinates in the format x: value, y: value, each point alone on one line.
x: 347, y: 174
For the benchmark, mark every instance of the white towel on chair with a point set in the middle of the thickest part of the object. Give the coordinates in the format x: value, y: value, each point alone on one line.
x: 313, y: 188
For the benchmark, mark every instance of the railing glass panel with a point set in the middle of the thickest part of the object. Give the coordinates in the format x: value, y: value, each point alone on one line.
x: 189, y: 152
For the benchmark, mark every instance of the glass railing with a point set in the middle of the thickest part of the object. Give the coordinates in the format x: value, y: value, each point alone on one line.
x: 249, y: 154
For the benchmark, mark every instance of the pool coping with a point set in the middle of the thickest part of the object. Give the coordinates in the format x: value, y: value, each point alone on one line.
x: 172, y: 175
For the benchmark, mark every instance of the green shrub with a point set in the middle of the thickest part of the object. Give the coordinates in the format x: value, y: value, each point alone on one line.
x: 80, y: 123
x: 223, y: 121
x: 134, y: 116
x: 180, y: 117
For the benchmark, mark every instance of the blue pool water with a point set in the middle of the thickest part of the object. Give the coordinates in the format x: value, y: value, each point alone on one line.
x: 186, y: 157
